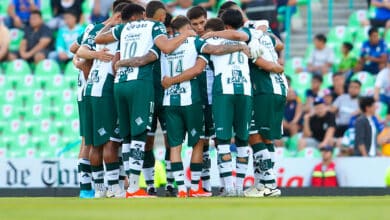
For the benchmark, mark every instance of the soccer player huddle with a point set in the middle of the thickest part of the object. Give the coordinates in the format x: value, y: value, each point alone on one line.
x: 215, y: 78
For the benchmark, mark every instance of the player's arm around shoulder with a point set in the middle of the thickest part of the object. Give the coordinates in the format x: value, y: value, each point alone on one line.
x: 186, y: 75
x: 166, y: 45
x: 228, y: 34
x: 268, y: 65
x: 137, y: 61
x: 109, y: 34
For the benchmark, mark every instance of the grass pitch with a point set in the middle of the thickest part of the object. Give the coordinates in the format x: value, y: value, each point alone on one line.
x: 317, y: 208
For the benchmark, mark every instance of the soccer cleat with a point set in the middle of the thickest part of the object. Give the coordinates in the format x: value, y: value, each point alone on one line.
x: 182, y: 194
x: 229, y: 193
x: 253, y: 192
x: 115, y: 191
x: 170, y: 191
x: 138, y: 194
x: 152, y: 191
x: 199, y: 193
x: 87, y: 194
x: 272, y: 192
x: 100, y: 194
x: 100, y: 190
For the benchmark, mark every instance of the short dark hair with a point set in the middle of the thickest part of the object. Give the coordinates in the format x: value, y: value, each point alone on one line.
x: 36, y: 12
x: 168, y: 20
x: 337, y: 74
x: 117, y: 2
x: 233, y: 18
x: 317, y: 77
x: 73, y: 13
x: 372, y: 30
x: 321, y: 37
x: 225, y: 6
x: 196, y: 12
x: 130, y: 10
x: 366, y: 101
x: 215, y: 24
x: 152, y: 7
x: 348, y: 45
x: 179, y: 21
x: 356, y: 81
x: 120, y: 7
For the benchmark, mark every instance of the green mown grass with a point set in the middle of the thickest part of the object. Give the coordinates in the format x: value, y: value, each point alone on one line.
x: 368, y: 208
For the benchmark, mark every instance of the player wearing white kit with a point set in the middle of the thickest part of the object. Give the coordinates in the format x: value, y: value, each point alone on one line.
x: 84, y: 165
x: 100, y: 125
x: 134, y: 108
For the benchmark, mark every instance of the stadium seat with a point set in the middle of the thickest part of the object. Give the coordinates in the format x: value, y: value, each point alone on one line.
x: 301, y: 82
x: 309, y: 152
x: 282, y: 152
x: 361, y: 35
x: 46, y: 10
x: 356, y: 18
x: 372, y: 11
x: 367, y: 80
x: 327, y: 81
x: 38, y: 111
x: 18, y: 71
x: 381, y: 111
x: 3, y: 8
x: 292, y: 64
x: 16, y: 38
x: 46, y: 70
x: 8, y: 111
x: 339, y: 34
x: 71, y: 70
x: 308, y: 52
x: 54, y: 85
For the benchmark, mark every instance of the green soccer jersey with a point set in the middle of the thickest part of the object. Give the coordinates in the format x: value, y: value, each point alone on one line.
x: 264, y: 82
x: 136, y: 39
x: 231, y: 70
x: 81, y: 80
x: 173, y: 64
x: 99, y: 80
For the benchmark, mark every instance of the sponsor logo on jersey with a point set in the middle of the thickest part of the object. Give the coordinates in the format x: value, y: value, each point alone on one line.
x: 175, y: 90
x: 236, y: 78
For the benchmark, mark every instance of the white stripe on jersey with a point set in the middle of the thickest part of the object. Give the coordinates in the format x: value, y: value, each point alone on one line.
x: 233, y: 68
x: 81, y: 80
x: 173, y: 64
x: 99, y: 71
x: 270, y: 54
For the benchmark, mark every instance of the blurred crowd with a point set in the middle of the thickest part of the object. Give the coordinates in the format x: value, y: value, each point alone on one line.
x: 47, y: 28
x: 346, y: 104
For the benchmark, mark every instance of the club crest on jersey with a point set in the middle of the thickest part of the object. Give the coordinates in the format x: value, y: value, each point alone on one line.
x: 236, y: 78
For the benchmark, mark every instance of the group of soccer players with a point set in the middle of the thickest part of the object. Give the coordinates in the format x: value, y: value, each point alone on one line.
x: 200, y: 78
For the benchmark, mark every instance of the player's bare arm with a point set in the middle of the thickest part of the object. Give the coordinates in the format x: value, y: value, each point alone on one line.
x: 105, y: 37
x: 74, y: 47
x: 136, y: 61
x: 169, y: 45
x: 227, y: 34
x: 86, y: 53
x: 186, y: 75
x: 269, y: 66
x: 225, y: 49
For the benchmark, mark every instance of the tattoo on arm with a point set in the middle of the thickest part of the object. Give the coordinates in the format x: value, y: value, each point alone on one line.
x: 222, y: 49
